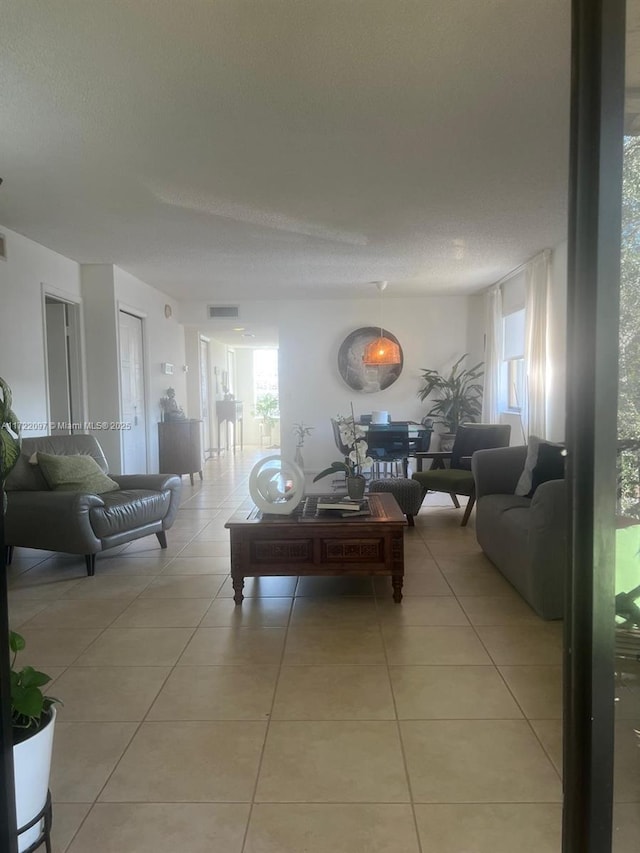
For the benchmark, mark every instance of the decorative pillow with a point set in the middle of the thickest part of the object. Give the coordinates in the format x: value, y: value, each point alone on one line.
x: 524, y: 483
x: 77, y: 473
x: 549, y: 466
x: 525, y: 487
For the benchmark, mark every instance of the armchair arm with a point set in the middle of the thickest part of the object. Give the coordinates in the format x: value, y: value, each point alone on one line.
x: 156, y: 482
x: 152, y: 482
x: 497, y: 471
x: 56, y: 521
x: 549, y: 508
x: 438, y: 456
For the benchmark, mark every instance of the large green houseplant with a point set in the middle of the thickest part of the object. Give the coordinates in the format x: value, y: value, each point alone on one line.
x: 266, y: 408
x: 459, y: 393
x: 9, y: 437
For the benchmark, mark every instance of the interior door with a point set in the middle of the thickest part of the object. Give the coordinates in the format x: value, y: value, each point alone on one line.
x: 132, y: 390
x: 58, y: 368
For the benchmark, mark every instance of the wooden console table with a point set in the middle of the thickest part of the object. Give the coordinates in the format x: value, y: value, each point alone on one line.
x: 229, y: 412
x: 306, y: 544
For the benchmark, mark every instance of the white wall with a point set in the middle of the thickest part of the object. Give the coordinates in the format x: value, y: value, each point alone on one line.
x: 22, y: 349
x: 192, y: 356
x: 101, y: 332
x: 432, y: 332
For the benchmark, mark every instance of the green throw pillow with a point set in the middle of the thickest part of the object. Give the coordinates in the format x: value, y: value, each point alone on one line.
x: 79, y: 473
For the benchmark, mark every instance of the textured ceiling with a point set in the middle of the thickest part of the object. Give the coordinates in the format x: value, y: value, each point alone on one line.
x: 234, y: 149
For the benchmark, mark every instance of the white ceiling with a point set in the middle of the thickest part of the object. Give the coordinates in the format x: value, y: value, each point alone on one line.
x: 233, y: 149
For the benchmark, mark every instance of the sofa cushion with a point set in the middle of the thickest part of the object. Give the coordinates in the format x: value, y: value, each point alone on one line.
x: 74, y: 473
x: 549, y: 466
x: 25, y: 477
x: 496, y: 505
x: 446, y: 480
x: 128, y: 509
x: 524, y: 488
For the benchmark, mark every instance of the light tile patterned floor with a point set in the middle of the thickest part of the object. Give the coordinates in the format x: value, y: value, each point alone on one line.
x: 319, y: 716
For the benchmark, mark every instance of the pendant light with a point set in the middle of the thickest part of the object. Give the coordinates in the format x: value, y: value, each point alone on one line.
x: 381, y: 350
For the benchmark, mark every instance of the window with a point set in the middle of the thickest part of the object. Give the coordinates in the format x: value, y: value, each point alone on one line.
x: 265, y: 373
x: 513, y: 359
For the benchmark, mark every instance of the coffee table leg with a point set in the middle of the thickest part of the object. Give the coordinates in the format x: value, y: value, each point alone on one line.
x: 238, y: 586
x: 396, y: 582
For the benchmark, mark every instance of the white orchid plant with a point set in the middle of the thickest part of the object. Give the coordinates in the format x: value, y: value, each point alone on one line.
x: 352, y: 436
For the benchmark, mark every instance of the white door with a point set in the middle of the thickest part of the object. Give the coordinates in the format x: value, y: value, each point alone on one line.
x: 204, y: 397
x: 134, y: 433
x: 58, y: 368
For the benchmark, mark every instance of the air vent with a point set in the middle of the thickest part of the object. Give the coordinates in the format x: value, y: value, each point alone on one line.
x: 3, y: 248
x: 223, y: 311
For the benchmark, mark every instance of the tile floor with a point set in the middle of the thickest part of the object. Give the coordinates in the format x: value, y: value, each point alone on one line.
x: 318, y: 717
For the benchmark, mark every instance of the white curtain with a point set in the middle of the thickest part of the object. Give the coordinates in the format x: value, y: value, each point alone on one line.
x: 537, y: 286
x: 492, y: 402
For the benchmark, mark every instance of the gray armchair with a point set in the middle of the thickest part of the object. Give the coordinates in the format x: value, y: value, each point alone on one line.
x: 525, y: 538
x: 79, y: 522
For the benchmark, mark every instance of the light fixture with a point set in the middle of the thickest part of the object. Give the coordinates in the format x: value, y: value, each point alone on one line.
x: 381, y: 350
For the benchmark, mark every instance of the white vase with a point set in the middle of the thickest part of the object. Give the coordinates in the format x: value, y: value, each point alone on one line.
x: 298, y: 459
x: 31, y: 767
x: 447, y: 440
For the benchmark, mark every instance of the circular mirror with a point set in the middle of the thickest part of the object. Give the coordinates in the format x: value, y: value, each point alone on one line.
x: 362, y: 377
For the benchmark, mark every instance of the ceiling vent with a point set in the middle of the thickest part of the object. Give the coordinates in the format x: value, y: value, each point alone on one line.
x: 223, y: 311
x: 3, y: 248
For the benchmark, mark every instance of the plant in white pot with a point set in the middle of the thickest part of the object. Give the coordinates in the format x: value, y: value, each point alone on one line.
x: 33, y: 717
x: 301, y: 431
x: 32, y: 713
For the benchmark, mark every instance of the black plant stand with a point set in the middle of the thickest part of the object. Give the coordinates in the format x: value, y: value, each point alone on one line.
x: 45, y: 836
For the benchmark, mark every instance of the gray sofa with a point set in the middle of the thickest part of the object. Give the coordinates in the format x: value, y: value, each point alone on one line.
x: 525, y: 538
x: 83, y: 523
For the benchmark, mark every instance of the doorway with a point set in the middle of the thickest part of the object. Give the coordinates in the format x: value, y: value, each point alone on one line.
x: 132, y: 394
x: 63, y: 366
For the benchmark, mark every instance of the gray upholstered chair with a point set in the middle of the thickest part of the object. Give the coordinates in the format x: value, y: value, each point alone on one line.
x: 80, y: 522
x: 457, y: 479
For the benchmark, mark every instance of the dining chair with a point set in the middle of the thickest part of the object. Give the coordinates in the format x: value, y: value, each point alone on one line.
x: 389, y: 445
x: 457, y: 479
x: 342, y: 447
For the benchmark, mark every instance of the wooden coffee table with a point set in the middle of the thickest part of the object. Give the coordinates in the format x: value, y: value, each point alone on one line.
x: 306, y: 544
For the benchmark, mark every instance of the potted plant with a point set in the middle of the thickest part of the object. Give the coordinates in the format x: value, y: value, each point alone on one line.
x: 266, y: 408
x: 301, y: 431
x: 9, y: 438
x: 33, y: 717
x: 352, y: 436
x: 459, y: 395
x: 32, y: 713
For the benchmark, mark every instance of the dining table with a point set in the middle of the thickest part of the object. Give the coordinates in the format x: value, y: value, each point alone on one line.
x: 418, y: 434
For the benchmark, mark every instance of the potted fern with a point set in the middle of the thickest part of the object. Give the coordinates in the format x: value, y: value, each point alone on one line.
x: 33, y: 714
x: 459, y: 397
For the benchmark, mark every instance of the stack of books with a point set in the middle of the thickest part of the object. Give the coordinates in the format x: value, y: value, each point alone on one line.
x: 345, y: 505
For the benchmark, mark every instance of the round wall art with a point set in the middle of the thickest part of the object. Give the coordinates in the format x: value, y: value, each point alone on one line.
x: 359, y: 376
